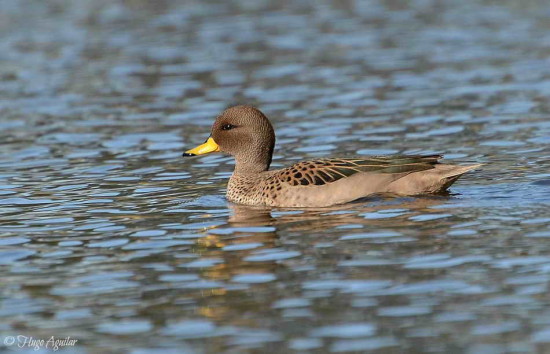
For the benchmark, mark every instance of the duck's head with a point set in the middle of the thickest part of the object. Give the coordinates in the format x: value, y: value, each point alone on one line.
x: 244, y: 132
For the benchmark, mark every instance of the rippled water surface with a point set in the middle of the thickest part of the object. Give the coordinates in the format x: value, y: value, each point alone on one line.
x: 107, y: 235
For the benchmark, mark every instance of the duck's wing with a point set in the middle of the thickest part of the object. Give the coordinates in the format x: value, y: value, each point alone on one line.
x: 322, y: 171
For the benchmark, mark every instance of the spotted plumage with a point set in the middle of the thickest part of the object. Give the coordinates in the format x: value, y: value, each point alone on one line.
x: 247, y: 134
x: 322, y: 171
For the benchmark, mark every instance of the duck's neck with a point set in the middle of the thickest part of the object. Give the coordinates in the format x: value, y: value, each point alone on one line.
x: 245, y: 166
x: 254, y: 158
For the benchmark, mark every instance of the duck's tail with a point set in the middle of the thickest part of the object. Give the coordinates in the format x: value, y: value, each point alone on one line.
x: 435, y: 180
x: 453, y: 174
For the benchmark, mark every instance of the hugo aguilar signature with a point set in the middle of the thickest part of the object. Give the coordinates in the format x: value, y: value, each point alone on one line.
x: 52, y: 343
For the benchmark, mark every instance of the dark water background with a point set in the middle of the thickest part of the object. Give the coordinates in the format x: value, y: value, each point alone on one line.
x: 107, y: 235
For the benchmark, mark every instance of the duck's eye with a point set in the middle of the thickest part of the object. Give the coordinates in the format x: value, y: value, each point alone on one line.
x: 228, y: 126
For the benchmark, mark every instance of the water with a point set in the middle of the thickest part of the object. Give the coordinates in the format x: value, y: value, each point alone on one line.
x: 108, y: 236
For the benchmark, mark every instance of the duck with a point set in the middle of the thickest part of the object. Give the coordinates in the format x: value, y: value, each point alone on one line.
x: 245, y: 133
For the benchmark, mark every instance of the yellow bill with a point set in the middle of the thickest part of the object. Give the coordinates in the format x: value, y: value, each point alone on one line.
x: 206, y: 148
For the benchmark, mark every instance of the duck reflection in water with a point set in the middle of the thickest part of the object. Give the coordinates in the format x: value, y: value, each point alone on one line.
x: 369, y: 213
x: 259, y: 240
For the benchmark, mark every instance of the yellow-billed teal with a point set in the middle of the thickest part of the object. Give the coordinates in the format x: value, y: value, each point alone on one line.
x: 245, y: 133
